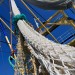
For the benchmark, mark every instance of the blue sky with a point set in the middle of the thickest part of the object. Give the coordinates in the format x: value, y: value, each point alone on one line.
x: 5, y: 68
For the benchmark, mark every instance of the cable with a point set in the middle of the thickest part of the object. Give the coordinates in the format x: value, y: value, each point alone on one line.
x: 7, y: 43
x: 10, y: 21
x: 4, y: 34
x: 36, y: 11
x: 20, y: 8
x: 4, y: 41
x: 5, y: 19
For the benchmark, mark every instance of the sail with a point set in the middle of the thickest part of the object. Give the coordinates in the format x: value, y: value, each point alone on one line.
x: 51, y: 4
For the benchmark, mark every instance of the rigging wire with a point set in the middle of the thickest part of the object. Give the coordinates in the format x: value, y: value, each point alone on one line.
x: 5, y: 19
x: 36, y: 11
x: 10, y: 22
x: 4, y: 41
x: 9, y: 59
x: 31, y: 6
x: 7, y: 43
x: 39, y: 20
x: 20, y: 8
x: 12, y: 51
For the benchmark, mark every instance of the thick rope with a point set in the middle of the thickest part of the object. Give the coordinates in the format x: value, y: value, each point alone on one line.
x: 10, y: 61
x: 55, y: 57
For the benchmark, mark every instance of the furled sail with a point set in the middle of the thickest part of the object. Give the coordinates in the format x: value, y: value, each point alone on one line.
x: 51, y: 4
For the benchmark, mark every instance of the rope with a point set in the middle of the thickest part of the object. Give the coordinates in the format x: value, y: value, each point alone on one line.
x: 10, y: 22
x: 7, y: 43
x: 10, y: 61
x: 6, y: 37
x: 10, y: 57
x: 19, y: 17
x: 36, y: 11
x: 2, y: 21
x: 10, y: 48
x: 15, y: 20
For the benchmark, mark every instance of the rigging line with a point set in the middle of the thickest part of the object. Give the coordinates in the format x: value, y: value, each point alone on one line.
x: 10, y: 22
x: 36, y: 11
x: 25, y: 11
x: 4, y: 41
x: 4, y: 18
x: 9, y: 59
x: 20, y: 8
x: 4, y: 35
x: 7, y: 43
x: 39, y: 20
x: 4, y: 23
x: 7, y: 40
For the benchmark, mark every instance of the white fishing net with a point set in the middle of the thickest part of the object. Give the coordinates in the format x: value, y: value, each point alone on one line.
x: 57, y: 59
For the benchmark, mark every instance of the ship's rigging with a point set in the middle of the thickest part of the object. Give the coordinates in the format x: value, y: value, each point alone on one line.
x: 36, y: 54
